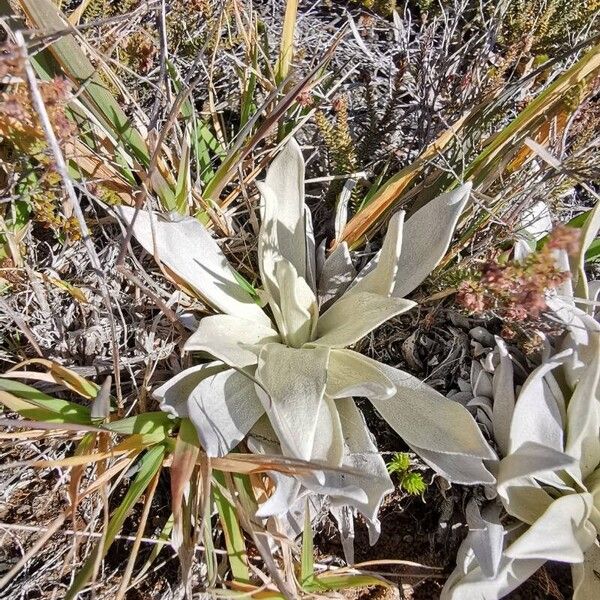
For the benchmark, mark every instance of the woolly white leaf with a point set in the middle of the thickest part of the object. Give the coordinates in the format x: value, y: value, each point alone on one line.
x: 354, y: 316
x: 328, y: 447
x: 486, y: 535
x: 222, y: 405
x: 268, y: 246
x: 352, y: 374
x: 481, y: 381
x: 336, y: 275
x: 583, y: 415
x: 283, y: 202
x: 311, y: 251
x: 561, y: 533
x: 230, y: 339
x: 426, y: 420
x: 536, y: 221
x: 293, y: 384
x: 457, y: 468
x: 287, y: 491
x: 521, y: 496
x: 173, y: 395
x: 341, y: 208
x: 504, y: 397
x: 344, y: 518
x: 581, y: 327
x: 297, y: 303
x: 426, y: 238
x: 536, y: 416
x: 188, y: 250
x: 379, y: 276
x: 367, y: 481
x: 474, y: 584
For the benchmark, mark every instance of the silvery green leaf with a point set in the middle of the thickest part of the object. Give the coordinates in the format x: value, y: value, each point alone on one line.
x: 189, y: 251
x: 354, y: 316
x: 561, y: 533
x: 537, y: 416
x: 425, y: 419
x: 231, y: 339
x: 344, y: 517
x: 328, y: 447
x: 311, y: 251
x: 367, y: 480
x: 352, y: 374
x: 583, y: 415
x: 426, y: 238
x: 336, y: 275
x: 298, y: 305
x: 222, y: 405
x: 522, y: 497
x: 486, y: 535
x: 284, y: 205
x: 379, y: 276
x: 586, y: 582
x: 503, y: 392
x: 173, y: 395
x: 293, y: 385
x: 456, y: 468
x: 474, y: 584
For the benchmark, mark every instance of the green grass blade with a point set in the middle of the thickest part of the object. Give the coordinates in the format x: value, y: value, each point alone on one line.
x: 183, y: 189
x: 234, y: 538
x: 52, y: 409
x: 333, y: 582
x: 307, y: 563
x: 149, y: 464
x: 154, y: 427
x: 73, y: 62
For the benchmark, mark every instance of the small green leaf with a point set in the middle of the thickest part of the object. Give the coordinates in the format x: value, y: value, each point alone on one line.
x: 399, y: 463
x: 413, y: 484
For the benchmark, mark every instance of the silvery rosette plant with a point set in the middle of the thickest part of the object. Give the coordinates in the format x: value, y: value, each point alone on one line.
x: 546, y: 502
x: 283, y: 373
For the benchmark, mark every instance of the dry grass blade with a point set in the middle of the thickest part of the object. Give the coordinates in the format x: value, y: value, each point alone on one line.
x: 286, y: 52
x: 183, y: 467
